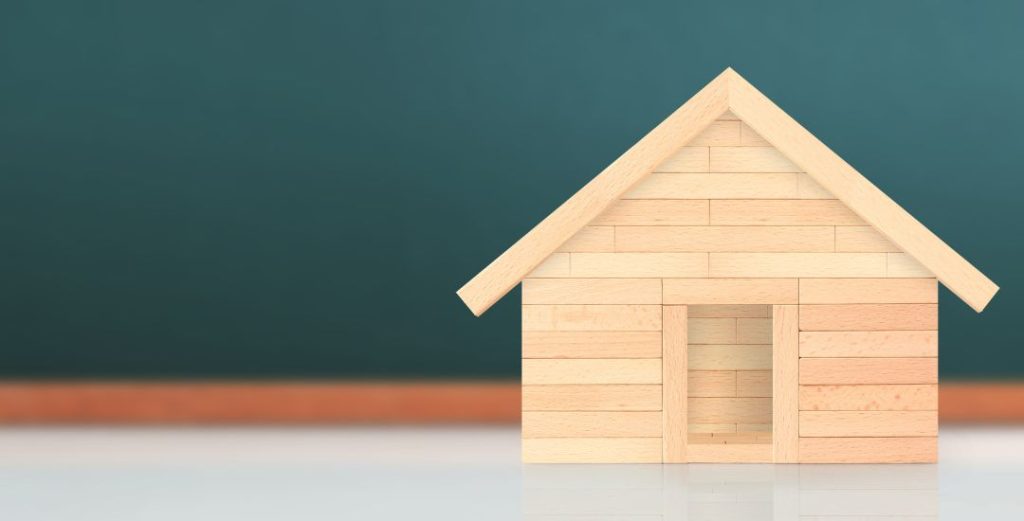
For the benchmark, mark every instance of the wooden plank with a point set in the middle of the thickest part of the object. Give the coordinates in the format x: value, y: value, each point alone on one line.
x: 592, y: 450
x: 808, y: 188
x: 686, y: 159
x: 540, y: 371
x: 718, y: 134
x: 596, y: 424
x: 709, y: 428
x: 869, y: 291
x: 675, y: 367
x: 843, y: 424
x: 592, y: 291
x: 903, y: 265
x: 864, y: 371
x: 711, y: 384
x: 575, y: 317
x: 656, y: 212
x: 876, y: 208
x: 783, y: 212
x: 730, y: 357
x: 869, y: 397
x: 750, y: 159
x: 869, y: 450
x: 869, y: 317
x: 753, y: 331
x: 730, y: 291
x: 591, y: 344
x: 785, y: 395
x: 556, y: 265
x: 855, y: 344
x: 729, y: 311
x: 712, y: 331
x: 749, y: 138
x: 754, y: 384
x: 862, y: 239
x: 730, y: 410
x: 716, y: 186
x: 728, y: 453
x: 591, y: 397
x: 590, y: 239
x: 724, y: 238
x: 617, y: 265
x: 501, y: 275
x: 797, y: 265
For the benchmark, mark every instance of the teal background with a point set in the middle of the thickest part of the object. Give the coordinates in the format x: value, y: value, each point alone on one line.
x: 274, y: 189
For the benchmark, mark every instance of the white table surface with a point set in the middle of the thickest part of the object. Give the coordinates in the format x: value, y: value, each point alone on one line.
x: 455, y: 473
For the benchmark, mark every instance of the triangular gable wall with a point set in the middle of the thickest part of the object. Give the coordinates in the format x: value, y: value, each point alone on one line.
x: 728, y: 92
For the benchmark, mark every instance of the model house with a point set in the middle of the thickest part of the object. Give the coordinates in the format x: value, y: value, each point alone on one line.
x: 729, y: 290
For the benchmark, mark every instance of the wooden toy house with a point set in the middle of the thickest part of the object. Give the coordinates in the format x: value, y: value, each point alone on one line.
x: 729, y: 290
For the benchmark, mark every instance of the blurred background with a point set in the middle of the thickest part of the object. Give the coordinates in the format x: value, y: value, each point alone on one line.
x: 259, y: 211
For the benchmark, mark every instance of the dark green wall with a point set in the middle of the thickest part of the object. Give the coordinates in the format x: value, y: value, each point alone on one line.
x: 279, y: 188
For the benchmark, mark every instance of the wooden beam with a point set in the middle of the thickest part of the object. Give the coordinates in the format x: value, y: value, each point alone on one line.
x: 785, y: 390
x: 674, y: 400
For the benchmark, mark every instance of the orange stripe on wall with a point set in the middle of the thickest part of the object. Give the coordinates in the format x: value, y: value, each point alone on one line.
x: 355, y: 402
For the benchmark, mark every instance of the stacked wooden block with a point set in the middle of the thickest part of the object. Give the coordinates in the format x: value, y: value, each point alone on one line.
x: 729, y: 221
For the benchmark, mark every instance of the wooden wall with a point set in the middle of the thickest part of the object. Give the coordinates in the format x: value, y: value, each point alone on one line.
x: 730, y: 373
x: 725, y: 221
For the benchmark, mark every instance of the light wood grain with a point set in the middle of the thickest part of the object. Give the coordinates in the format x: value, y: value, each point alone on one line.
x: 712, y: 384
x: 655, y: 212
x: 903, y: 265
x: 788, y: 265
x: 869, y: 450
x: 574, y: 317
x: 539, y: 371
x: 618, y: 265
x: 686, y: 159
x: 675, y: 367
x: 592, y: 450
x: 729, y: 311
x: 719, y: 133
x: 729, y: 453
x: 591, y: 424
x: 712, y: 331
x: 730, y: 410
x: 784, y: 212
x: 591, y: 291
x: 730, y: 291
x: 868, y: 291
x: 716, y: 186
x: 726, y: 357
x: 749, y: 138
x: 710, y: 428
x: 501, y: 275
x: 808, y: 188
x: 785, y: 393
x: 848, y: 185
x: 556, y: 265
x: 869, y: 397
x: 753, y: 331
x: 854, y: 344
x: 862, y: 239
x: 590, y: 239
x: 754, y: 384
x: 869, y: 317
x: 750, y: 159
x: 724, y: 238
x: 591, y: 344
x: 864, y: 371
x: 591, y: 397
x: 841, y: 424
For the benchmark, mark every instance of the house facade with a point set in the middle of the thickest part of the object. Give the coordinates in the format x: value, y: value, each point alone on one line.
x: 729, y: 290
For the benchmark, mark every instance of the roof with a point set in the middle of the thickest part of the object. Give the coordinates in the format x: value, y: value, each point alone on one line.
x: 729, y: 91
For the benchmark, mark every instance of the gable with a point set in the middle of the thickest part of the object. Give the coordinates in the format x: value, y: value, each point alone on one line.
x: 728, y: 204
x: 730, y: 92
